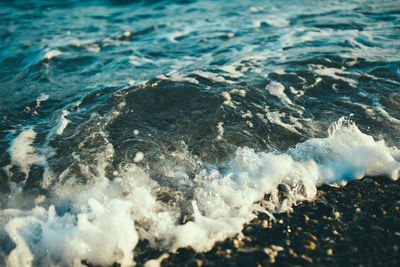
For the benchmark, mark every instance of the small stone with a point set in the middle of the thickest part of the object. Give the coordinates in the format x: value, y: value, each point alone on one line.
x: 377, y: 228
x: 307, y: 258
x: 306, y: 218
x: 313, y: 237
x: 368, y: 180
x: 264, y: 224
x: 236, y: 243
x: 358, y: 210
x: 292, y: 253
x: 273, y: 252
x: 135, y: 132
x: 220, y: 253
x: 277, y: 248
x: 336, y: 215
x: 329, y: 252
x: 311, y: 245
x: 397, y: 233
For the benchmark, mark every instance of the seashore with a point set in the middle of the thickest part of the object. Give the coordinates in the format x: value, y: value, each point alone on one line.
x: 354, y: 225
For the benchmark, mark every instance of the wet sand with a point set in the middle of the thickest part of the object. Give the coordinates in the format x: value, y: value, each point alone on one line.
x: 355, y: 225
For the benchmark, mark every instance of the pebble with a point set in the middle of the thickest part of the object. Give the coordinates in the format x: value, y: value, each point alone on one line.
x: 358, y: 210
x: 311, y: 245
x: 307, y: 258
x: 264, y: 224
x: 329, y: 252
x: 292, y: 253
x: 273, y: 252
x: 313, y: 236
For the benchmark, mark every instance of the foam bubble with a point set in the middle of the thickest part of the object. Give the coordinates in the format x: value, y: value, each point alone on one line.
x: 139, y: 156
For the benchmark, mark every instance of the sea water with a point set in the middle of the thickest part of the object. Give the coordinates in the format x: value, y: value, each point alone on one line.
x: 177, y: 122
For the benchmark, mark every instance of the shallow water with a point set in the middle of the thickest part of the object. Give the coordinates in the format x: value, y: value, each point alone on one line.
x: 176, y: 122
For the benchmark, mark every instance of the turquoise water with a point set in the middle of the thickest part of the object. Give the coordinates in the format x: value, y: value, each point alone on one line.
x: 158, y: 106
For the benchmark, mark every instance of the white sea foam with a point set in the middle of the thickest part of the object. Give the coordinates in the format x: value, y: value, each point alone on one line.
x: 231, y: 70
x: 272, y: 21
x: 51, y: 54
x: 333, y: 72
x: 277, y: 89
x: 102, y: 221
x: 275, y: 117
x: 177, y: 77
x: 220, y: 130
x: 22, y: 153
x: 239, y: 92
x: 41, y: 98
x: 212, y: 76
x: 228, y: 100
x: 62, y: 123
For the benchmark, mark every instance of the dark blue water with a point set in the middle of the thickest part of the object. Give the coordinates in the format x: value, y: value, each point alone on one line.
x: 168, y: 121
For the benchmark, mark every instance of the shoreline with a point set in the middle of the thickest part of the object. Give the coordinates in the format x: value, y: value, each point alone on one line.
x: 356, y: 225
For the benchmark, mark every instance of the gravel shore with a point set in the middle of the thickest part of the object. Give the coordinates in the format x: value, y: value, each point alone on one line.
x: 355, y: 225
